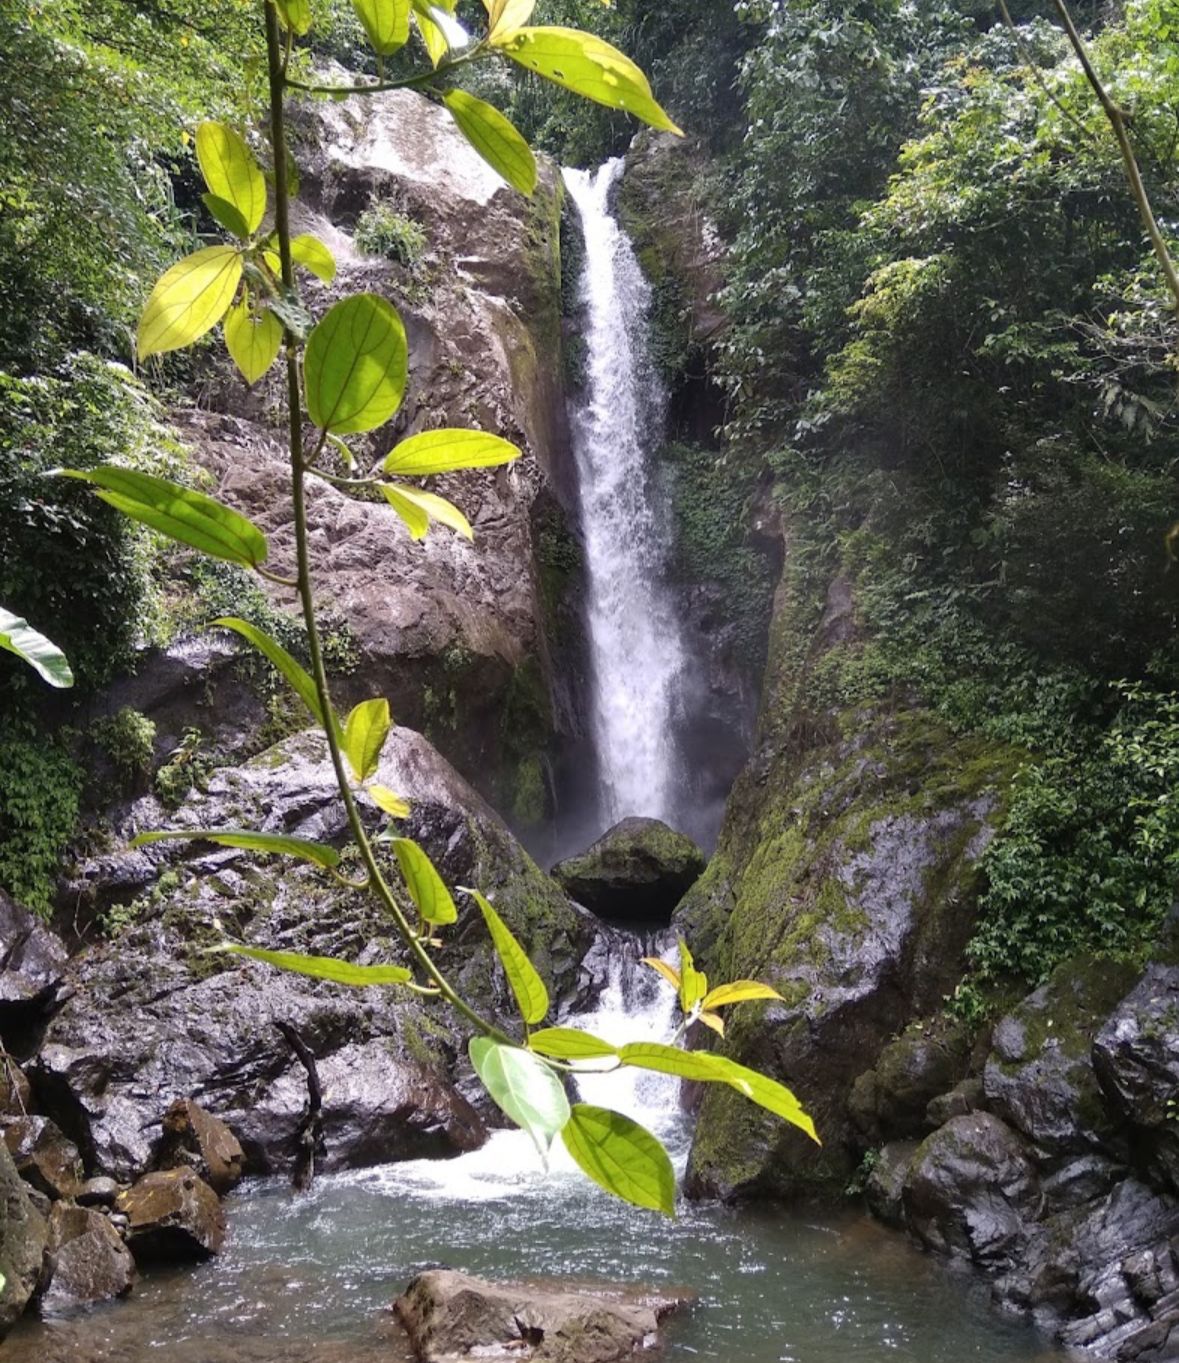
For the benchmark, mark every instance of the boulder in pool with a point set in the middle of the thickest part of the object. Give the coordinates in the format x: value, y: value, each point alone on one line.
x: 172, y: 1216
x: 636, y: 872
x: 451, y: 1317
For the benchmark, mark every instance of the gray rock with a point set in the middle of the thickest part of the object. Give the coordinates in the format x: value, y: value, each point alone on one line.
x: 964, y: 1097
x: 452, y: 1317
x: 172, y: 1215
x: 97, y: 1192
x: 86, y: 1261
x: 32, y: 963
x: 636, y: 872
x: 884, y: 1190
x: 22, y: 1243
x: 890, y: 1100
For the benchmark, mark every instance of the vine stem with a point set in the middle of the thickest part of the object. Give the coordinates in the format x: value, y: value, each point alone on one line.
x: 379, y: 885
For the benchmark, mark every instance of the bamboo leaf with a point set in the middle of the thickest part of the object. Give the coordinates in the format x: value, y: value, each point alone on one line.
x: 365, y: 732
x: 384, y: 798
x: 277, y: 843
x: 410, y: 504
x: 532, y: 998
x: 189, y: 300
x: 295, y: 674
x: 425, y: 885
x: 569, y: 1043
x: 313, y: 255
x: 325, y: 967
x: 252, y: 339
x: 495, y: 139
x: 523, y: 1087
x: 232, y: 172
x: 621, y: 1156
x: 738, y: 992
x: 181, y: 514
x: 17, y: 636
x: 386, y: 22
x: 356, y: 365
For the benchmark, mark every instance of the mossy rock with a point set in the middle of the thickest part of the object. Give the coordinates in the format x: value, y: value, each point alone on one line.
x: 637, y: 872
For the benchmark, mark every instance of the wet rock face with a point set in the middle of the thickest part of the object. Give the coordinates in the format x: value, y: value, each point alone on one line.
x: 44, y: 1157
x: 636, y: 872
x: 87, y: 1261
x: 452, y: 1317
x: 172, y: 1215
x: 32, y: 963
x: 157, y: 1017
x: 891, y: 1099
x: 195, y: 1140
x: 22, y: 1243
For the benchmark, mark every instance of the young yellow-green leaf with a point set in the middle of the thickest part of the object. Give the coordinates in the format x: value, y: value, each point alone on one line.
x: 189, y: 300
x: 278, y: 843
x: 225, y: 214
x: 313, y: 255
x: 17, y: 636
x: 669, y: 972
x: 621, y: 1156
x: 355, y: 366
x: 433, y: 38
x: 523, y: 1087
x: 657, y: 1055
x: 295, y: 14
x: 568, y: 1043
x: 504, y: 15
x: 253, y: 340
x: 446, y: 450
x: 326, y: 967
x: 738, y: 992
x: 231, y: 171
x: 532, y: 998
x: 294, y: 673
x: 181, y: 514
x: 713, y: 1020
x: 384, y: 798
x: 386, y: 22
x: 693, y: 982
x: 410, y: 504
x: 495, y: 139
x: 425, y: 885
x: 365, y: 731
x: 586, y: 65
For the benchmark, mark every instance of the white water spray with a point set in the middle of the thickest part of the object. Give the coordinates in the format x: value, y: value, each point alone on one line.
x: 636, y: 649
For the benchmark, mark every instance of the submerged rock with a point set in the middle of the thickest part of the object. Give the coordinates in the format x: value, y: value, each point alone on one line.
x: 451, y: 1317
x: 171, y: 1215
x: 22, y: 1243
x: 636, y: 872
x: 87, y: 1261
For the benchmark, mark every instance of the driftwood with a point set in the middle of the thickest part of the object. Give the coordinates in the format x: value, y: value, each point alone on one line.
x: 310, y: 1137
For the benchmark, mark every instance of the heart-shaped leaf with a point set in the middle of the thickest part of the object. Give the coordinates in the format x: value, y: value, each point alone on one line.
x: 189, y: 300
x: 356, y: 365
x: 523, y: 1087
x: 253, y: 339
x: 621, y: 1156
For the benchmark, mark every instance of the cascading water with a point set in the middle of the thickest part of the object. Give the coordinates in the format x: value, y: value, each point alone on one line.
x: 636, y: 648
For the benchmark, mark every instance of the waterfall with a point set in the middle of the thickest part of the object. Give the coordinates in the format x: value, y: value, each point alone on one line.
x: 637, y: 654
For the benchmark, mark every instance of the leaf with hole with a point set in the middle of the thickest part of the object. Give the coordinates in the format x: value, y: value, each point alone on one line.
x: 425, y: 885
x: 274, y: 652
x: 523, y: 1087
x: 570, y: 1043
x: 42, y: 654
x: 189, y: 300
x: 325, y: 967
x: 386, y: 22
x: 621, y: 1156
x: 495, y: 138
x: 365, y: 731
x: 532, y: 998
x: 189, y: 517
x: 232, y: 172
x: 253, y: 339
x: 355, y: 365
x: 279, y: 844
x: 445, y: 451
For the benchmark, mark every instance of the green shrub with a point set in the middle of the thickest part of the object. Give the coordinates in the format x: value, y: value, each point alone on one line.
x: 40, y: 791
x: 127, y: 739
x: 381, y: 230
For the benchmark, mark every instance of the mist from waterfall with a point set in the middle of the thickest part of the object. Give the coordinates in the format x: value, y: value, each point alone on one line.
x: 637, y: 652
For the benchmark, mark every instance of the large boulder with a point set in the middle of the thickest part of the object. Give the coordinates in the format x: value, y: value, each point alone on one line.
x: 891, y: 1100
x: 193, y: 1139
x: 158, y: 1015
x: 172, y: 1215
x: 44, y: 1156
x: 87, y: 1261
x: 22, y: 1243
x: 452, y: 1317
x: 636, y: 872
x: 32, y: 963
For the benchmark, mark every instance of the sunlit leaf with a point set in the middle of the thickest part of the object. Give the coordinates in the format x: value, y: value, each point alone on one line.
x: 277, y: 843
x: 411, y: 505
x: 231, y: 171
x: 295, y: 674
x: 425, y: 885
x: 431, y: 33
x: 523, y: 1087
x: 313, y: 255
x: 503, y: 15
x: 693, y: 982
x: 365, y: 731
x: 355, y: 366
x: 384, y: 798
x: 569, y: 1043
x: 44, y: 656
x: 252, y: 339
x: 669, y: 972
x: 224, y: 213
x: 189, y: 300
x: 325, y: 967
x: 532, y: 998
x: 738, y: 992
x: 588, y: 66
x: 295, y: 14
x: 414, y: 516
x: 713, y: 1020
x: 183, y: 515
x: 495, y: 139
x: 386, y: 22
x: 446, y: 450
x: 621, y: 1156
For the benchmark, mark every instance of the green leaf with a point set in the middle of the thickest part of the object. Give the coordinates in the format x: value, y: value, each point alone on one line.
x: 417, y: 509
x: 365, y: 731
x: 385, y: 799
x: 41, y: 654
x: 494, y: 138
x: 282, y: 660
x: 231, y: 171
x: 175, y: 511
x: 356, y: 365
x: 386, y: 22
x: 432, y: 35
x: 225, y: 214
x: 669, y: 972
x: 313, y: 255
x: 278, y: 843
x: 568, y: 1043
x: 586, y: 65
x: 693, y: 983
x: 504, y: 15
x: 444, y: 451
x: 189, y: 300
x: 738, y: 992
x: 532, y: 997
x: 326, y: 967
x: 523, y: 1087
x: 295, y: 14
x: 425, y: 885
x: 621, y: 1156
x: 252, y: 339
